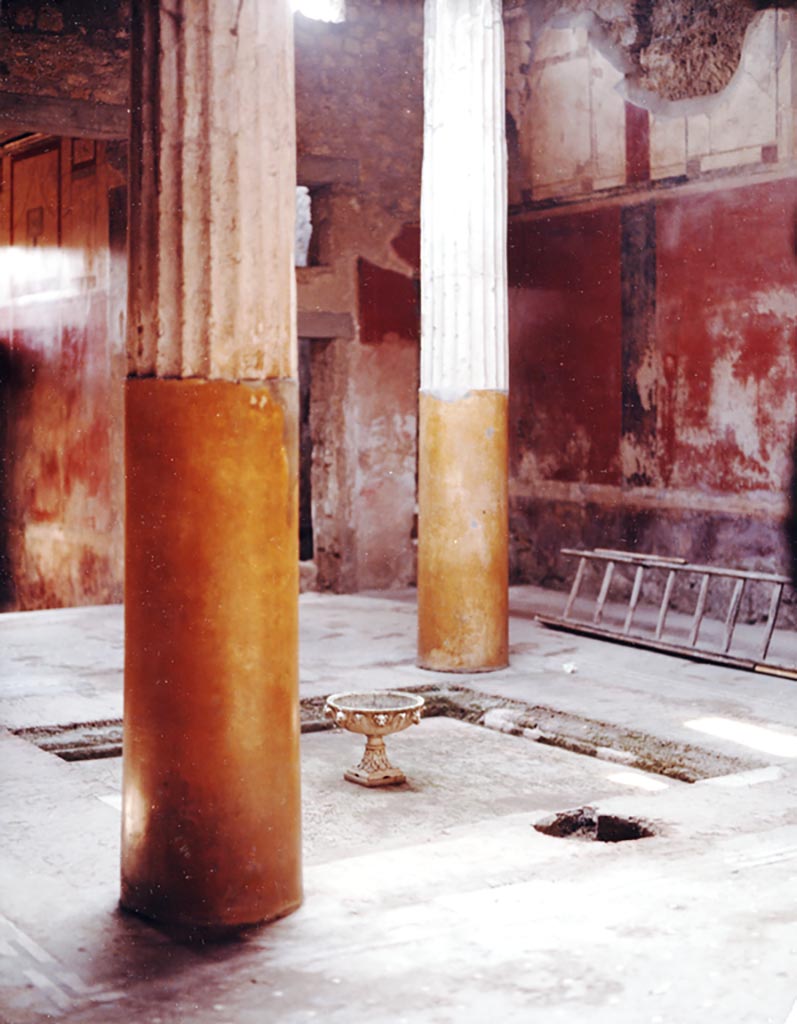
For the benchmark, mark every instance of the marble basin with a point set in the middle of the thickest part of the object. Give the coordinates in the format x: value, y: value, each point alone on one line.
x: 375, y: 715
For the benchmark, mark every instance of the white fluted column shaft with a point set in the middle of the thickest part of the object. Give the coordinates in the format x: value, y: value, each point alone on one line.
x: 213, y: 175
x: 464, y: 199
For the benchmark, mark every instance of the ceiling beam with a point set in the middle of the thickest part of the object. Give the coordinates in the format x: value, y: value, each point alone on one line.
x: 52, y: 115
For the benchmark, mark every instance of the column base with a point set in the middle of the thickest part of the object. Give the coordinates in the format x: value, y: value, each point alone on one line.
x: 205, y: 934
x: 438, y: 663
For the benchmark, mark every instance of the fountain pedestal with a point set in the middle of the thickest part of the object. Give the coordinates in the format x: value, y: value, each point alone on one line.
x: 375, y: 769
x: 375, y: 715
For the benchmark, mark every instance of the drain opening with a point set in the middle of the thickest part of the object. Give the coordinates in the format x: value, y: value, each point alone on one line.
x: 587, y: 823
x: 77, y: 741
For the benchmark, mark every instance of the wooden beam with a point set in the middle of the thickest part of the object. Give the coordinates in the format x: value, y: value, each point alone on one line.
x: 314, y: 171
x: 54, y: 115
x: 322, y: 325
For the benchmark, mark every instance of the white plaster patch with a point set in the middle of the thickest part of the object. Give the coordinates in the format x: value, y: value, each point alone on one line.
x: 667, y: 145
x: 558, y: 118
x: 698, y: 135
x: 638, y: 460
x: 647, y: 378
x: 745, y: 113
x: 779, y: 302
x: 785, y: 86
x: 608, y: 121
x: 733, y: 407
x: 304, y: 225
x: 736, y: 158
x: 555, y: 43
x: 739, y: 402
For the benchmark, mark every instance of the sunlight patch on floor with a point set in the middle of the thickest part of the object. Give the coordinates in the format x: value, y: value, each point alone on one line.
x: 757, y: 737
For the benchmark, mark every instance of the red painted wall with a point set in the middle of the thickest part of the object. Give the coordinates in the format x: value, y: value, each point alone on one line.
x: 673, y: 381
x: 61, y: 372
x: 726, y: 309
x: 389, y: 304
x: 564, y: 325
x: 721, y: 363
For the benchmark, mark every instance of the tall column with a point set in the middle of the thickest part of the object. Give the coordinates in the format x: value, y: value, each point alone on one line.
x: 211, y: 813
x: 463, y: 517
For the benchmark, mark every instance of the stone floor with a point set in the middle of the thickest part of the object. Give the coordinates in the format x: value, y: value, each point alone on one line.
x: 437, y: 901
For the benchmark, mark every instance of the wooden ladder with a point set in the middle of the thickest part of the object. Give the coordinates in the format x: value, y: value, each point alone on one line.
x: 657, y: 640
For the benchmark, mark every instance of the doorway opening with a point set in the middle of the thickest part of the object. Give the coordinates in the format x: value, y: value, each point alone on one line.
x: 305, y: 454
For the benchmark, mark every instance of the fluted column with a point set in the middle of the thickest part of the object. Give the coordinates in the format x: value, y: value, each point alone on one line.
x: 211, y: 815
x: 463, y: 529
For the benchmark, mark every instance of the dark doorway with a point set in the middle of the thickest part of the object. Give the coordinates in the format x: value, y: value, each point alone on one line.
x: 305, y: 455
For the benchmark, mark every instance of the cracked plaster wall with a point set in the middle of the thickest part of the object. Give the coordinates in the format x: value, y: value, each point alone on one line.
x: 652, y: 311
x: 670, y: 49
x: 359, y: 96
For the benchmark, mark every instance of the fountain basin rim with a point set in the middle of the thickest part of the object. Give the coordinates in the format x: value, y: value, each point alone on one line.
x: 375, y: 701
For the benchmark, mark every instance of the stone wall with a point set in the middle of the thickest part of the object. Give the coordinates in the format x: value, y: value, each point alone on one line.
x: 67, y: 48
x: 359, y: 98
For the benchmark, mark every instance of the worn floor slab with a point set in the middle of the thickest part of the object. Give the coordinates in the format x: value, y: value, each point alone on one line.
x: 436, y: 902
x: 65, y: 666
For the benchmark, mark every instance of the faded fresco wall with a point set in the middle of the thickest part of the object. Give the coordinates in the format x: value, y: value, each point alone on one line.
x: 625, y: 275
x: 63, y: 284
x: 651, y: 293
x: 652, y: 309
x: 62, y: 300
x: 363, y: 387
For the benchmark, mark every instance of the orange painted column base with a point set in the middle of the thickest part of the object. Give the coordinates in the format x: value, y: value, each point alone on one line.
x: 211, y: 802
x: 463, y: 564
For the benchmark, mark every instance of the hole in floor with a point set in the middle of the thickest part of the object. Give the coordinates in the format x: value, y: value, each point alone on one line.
x: 587, y: 823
